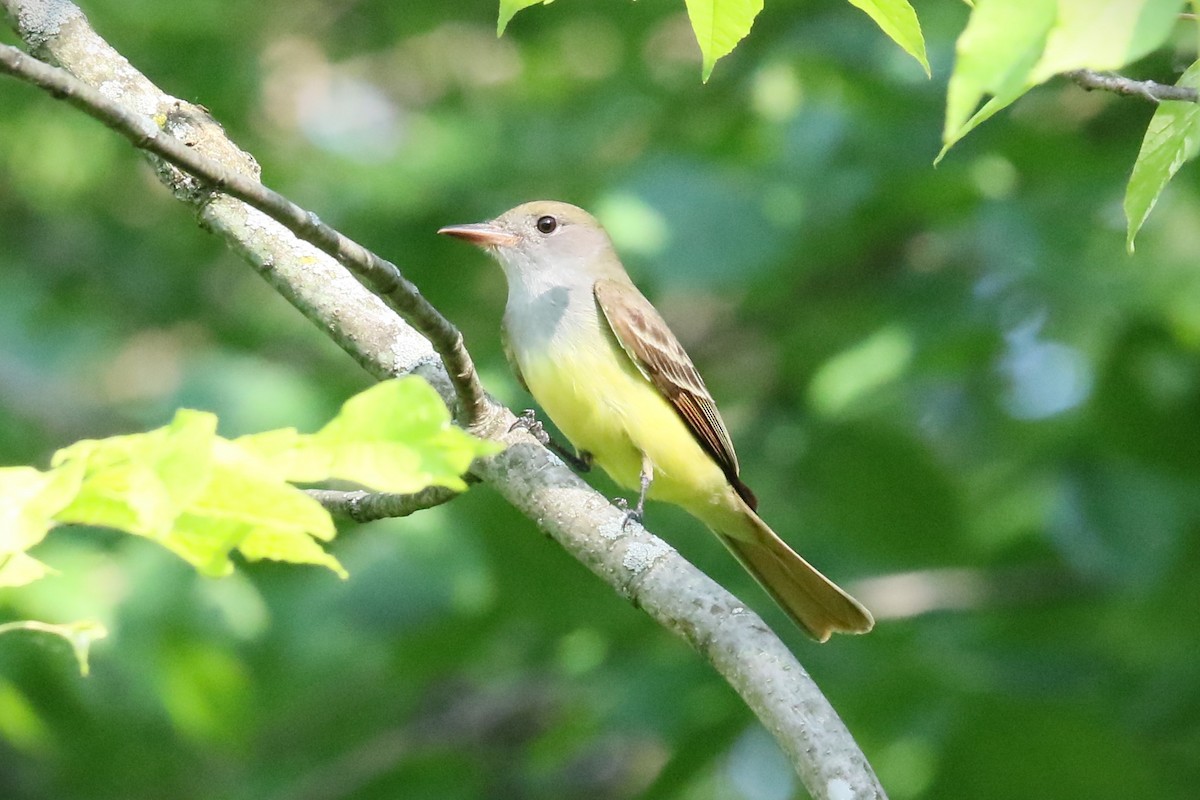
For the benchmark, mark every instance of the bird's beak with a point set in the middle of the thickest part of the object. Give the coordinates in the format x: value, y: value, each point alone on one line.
x: 481, y: 234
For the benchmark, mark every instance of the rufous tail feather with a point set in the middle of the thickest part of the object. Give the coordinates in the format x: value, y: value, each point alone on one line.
x: 817, y: 604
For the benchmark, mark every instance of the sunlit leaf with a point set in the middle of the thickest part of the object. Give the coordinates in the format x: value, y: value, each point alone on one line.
x: 1104, y: 35
x: 29, y: 499
x: 276, y: 543
x: 509, y: 9
x: 80, y: 635
x: 257, y: 514
x: 141, y: 482
x: 898, y: 20
x: 278, y: 451
x: 995, y: 53
x: 1172, y: 138
x: 198, y: 495
x: 202, y: 497
x: 398, y: 437
x: 18, y: 569
x: 395, y: 437
x: 1008, y: 48
x: 719, y: 25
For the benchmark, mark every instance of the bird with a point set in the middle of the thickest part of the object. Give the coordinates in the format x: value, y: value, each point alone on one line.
x: 604, y: 366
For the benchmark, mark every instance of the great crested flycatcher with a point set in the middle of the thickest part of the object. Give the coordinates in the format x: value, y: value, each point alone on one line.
x: 606, y: 368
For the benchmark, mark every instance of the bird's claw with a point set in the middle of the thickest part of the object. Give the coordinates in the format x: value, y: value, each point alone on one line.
x: 636, y: 514
x: 529, y: 421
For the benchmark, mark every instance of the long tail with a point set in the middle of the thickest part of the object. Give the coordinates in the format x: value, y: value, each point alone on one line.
x: 817, y: 604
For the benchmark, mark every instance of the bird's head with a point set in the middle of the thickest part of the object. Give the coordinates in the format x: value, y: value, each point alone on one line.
x: 541, y: 238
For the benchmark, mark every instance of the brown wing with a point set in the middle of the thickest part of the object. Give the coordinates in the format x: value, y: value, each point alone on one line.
x: 646, y: 339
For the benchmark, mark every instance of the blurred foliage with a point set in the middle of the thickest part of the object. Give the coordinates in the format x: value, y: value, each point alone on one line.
x: 950, y: 384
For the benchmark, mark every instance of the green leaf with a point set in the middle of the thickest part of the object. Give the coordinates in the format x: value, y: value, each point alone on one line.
x: 18, y: 569
x: 509, y: 9
x: 278, y: 451
x: 1172, y: 138
x: 995, y: 53
x: 80, y: 635
x: 395, y: 437
x: 719, y: 25
x: 1104, y: 35
x: 1007, y: 48
x: 140, y: 483
x: 259, y: 515
x: 275, y: 543
x: 198, y: 495
x: 898, y: 20
x: 29, y: 499
x: 203, y: 497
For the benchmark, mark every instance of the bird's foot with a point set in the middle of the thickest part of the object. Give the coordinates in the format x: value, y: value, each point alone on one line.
x: 529, y: 421
x: 636, y: 514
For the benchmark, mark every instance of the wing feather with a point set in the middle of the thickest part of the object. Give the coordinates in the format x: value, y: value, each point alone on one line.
x: 659, y: 356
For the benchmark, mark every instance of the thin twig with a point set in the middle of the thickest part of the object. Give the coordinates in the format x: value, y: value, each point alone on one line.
x: 362, y: 506
x: 1147, y: 90
x: 380, y: 275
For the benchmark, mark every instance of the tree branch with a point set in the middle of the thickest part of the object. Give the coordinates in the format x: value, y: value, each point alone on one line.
x: 363, y: 506
x: 1118, y: 84
x: 636, y: 564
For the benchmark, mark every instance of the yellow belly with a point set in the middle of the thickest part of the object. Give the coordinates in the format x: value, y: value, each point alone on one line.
x: 602, y: 404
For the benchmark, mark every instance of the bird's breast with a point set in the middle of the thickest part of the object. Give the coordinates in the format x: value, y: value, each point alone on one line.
x: 580, y: 381
x: 593, y: 392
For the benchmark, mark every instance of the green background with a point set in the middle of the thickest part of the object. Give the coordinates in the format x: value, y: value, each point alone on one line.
x: 951, y: 388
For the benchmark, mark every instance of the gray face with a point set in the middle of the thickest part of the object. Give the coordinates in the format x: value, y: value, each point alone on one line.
x: 544, y: 242
x: 555, y: 237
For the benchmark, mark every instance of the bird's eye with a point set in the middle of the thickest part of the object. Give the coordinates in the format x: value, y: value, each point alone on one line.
x: 547, y: 224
